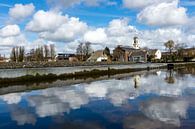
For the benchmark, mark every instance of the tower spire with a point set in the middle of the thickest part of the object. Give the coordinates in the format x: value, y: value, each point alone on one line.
x: 136, y: 43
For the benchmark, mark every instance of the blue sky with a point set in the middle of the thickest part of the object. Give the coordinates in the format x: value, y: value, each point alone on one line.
x: 112, y: 21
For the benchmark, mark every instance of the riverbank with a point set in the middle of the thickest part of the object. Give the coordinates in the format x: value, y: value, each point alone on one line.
x: 14, y: 65
x: 83, y: 74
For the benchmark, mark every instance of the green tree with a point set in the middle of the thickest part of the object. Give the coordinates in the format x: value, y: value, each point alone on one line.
x: 170, y: 45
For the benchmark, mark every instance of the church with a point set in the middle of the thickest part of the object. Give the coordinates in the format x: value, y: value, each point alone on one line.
x: 130, y: 53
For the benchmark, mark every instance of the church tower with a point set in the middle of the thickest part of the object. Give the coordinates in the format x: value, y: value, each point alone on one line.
x: 136, y: 43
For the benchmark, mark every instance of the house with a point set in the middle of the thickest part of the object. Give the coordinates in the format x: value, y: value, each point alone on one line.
x: 64, y: 56
x: 121, y: 53
x: 154, y: 54
x: 98, y: 56
x: 188, y: 54
x: 138, y: 56
x: 130, y: 54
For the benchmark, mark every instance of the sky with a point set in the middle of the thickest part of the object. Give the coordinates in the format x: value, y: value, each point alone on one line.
x: 66, y: 23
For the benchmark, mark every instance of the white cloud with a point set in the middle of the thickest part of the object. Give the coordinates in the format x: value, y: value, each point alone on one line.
x: 21, y: 115
x: 163, y: 14
x: 6, y: 43
x: 46, y: 21
x: 54, y: 26
x: 68, y: 31
x: 120, y: 27
x: 13, y: 98
x: 167, y: 110
x: 20, y: 11
x: 97, y: 36
x: 10, y: 30
x: 141, y: 3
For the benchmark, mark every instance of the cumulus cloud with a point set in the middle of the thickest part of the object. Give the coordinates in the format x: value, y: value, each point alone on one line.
x: 45, y: 21
x: 20, y: 11
x: 163, y: 14
x: 6, y: 43
x: 97, y: 36
x: 70, y: 30
x: 120, y: 27
x: 10, y: 30
x: 54, y: 26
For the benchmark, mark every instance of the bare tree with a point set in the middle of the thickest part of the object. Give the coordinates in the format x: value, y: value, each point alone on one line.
x: 52, y: 51
x: 39, y: 56
x: 46, y: 52
x: 21, y: 53
x: 13, y: 55
x: 87, y: 49
x: 17, y: 54
x: 79, y: 50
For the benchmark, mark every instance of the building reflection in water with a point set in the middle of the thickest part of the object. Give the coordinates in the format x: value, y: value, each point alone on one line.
x: 137, y: 81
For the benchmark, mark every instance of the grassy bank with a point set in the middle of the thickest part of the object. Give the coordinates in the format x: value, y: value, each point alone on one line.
x: 30, y: 79
x: 14, y: 65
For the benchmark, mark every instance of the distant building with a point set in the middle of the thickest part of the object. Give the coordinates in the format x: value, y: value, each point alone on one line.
x: 30, y: 56
x: 130, y: 54
x: 136, y: 43
x: 98, y: 56
x: 188, y: 54
x: 66, y: 57
x: 155, y: 54
x: 138, y: 56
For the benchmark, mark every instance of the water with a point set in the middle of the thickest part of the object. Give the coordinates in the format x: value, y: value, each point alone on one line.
x: 155, y: 100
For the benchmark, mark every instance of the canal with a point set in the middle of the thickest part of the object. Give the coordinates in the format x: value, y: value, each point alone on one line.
x: 159, y: 99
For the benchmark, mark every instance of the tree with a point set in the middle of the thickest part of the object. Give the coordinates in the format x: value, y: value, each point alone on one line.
x: 46, y: 51
x: 52, y: 51
x: 39, y: 54
x: 87, y: 49
x: 21, y: 54
x: 17, y: 54
x: 107, y: 51
x: 13, y: 55
x: 180, y: 48
x: 79, y: 50
x: 170, y: 45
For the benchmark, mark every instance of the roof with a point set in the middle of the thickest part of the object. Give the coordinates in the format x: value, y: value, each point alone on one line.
x: 95, y: 55
x: 139, y: 53
x: 152, y: 51
x: 126, y: 48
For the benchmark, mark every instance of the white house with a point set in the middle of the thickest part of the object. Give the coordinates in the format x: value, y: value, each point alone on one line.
x: 98, y: 56
x: 155, y: 53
